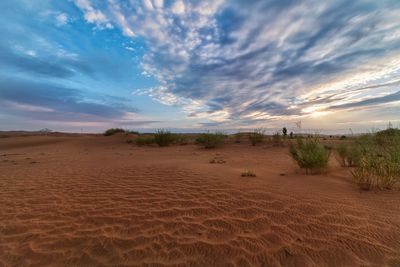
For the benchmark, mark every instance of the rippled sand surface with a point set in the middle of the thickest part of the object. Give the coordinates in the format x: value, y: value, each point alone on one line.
x: 97, y: 201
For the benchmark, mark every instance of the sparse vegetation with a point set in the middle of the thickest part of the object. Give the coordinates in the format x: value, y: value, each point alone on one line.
x: 132, y: 132
x: 348, y: 154
x: 291, y: 135
x: 144, y: 140
x: 211, y: 140
x: 379, y: 165
x: 180, y: 139
x: 277, y: 139
x: 113, y: 131
x: 248, y: 174
x: 257, y: 136
x: 310, y: 155
x: 163, y: 137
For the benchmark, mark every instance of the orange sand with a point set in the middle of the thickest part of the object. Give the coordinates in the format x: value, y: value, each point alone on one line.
x: 97, y: 201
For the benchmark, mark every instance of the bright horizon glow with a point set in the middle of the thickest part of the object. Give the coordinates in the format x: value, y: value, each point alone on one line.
x: 190, y: 66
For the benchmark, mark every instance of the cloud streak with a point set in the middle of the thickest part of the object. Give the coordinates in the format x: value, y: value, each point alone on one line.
x: 269, y: 60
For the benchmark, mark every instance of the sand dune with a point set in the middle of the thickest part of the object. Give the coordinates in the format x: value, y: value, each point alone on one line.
x: 97, y: 201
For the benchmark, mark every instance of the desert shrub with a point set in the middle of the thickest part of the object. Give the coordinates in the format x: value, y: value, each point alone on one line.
x: 376, y: 172
x: 129, y: 141
x: 132, y: 132
x: 362, y: 175
x: 248, y: 174
x: 113, y: 131
x: 257, y: 136
x: 217, y: 160
x: 380, y: 160
x: 291, y: 135
x: 277, y: 139
x: 163, y: 137
x: 310, y: 154
x: 348, y: 154
x: 181, y: 139
x: 343, y: 137
x: 144, y: 140
x: 210, y: 140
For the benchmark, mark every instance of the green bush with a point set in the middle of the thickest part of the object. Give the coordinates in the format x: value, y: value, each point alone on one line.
x: 257, y: 136
x: 112, y: 131
x: 348, y: 155
x: 310, y: 155
x: 163, y: 137
x: 380, y: 160
x: 211, y: 140
x: 144, y: 140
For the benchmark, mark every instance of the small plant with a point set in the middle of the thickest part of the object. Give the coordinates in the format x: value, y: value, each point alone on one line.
x: 211, y: 140
x: 144, y: 140
x: 163, y: 137
x: 217, y: 161
x: 310, y: 155
x: 291, y: 135
x: 248, y: 174
x: 129, y: 141
x: 343, y: 137
x: 257, y: 136
x: 113, y: 131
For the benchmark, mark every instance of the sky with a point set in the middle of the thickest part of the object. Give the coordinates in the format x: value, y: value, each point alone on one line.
x: 234, y: 65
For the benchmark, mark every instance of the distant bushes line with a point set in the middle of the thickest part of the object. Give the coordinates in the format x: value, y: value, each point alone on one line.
x: 113, y: 131
x: 211, y: 140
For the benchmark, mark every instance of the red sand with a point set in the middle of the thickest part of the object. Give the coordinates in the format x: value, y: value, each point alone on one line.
x: 94, y: 201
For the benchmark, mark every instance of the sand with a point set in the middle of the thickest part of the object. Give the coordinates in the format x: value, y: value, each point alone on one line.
x: 98, y: 201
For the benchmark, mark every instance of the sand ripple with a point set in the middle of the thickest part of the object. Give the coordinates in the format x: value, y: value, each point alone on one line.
x: 171, y: 216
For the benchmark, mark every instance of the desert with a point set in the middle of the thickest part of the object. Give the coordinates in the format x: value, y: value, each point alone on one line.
x: 93, y: 200
x: 200, y: 133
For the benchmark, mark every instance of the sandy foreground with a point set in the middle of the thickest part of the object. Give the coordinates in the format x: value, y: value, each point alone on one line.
x: 98, y: 201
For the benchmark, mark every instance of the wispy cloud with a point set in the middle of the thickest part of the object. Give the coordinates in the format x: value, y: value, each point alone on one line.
x: 268, y: 60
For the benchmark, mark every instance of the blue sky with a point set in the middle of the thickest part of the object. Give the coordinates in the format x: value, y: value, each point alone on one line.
x: 73, y: 65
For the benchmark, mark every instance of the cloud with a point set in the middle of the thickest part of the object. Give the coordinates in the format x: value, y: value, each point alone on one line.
x: 61, y: 19
x: 266, y: 60
x: 394, y: 97
x: 93, y: 15
x: 46, y: 101
x: 36, y: 66
x: 178, y: 7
